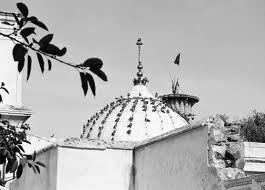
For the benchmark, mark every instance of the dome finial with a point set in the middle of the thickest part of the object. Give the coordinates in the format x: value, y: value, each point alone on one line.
x: 139, y: 80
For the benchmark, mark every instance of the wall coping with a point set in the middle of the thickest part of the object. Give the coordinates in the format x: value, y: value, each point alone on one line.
x: 79, y: 143
x: 17, y: 111
x: 88, y: 147
x: 169, y: 134
x: 45, y: 148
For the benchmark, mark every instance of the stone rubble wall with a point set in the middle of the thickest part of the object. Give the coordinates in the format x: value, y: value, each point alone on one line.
x: 225, y: 149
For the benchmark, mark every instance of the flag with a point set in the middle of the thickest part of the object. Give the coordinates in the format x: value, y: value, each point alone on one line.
x: 177, y: 59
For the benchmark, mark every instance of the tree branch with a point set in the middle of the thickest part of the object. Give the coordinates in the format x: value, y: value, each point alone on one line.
x: 43, y: 53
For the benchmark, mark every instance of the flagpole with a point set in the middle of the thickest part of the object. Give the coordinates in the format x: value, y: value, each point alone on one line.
x: 177, y: 62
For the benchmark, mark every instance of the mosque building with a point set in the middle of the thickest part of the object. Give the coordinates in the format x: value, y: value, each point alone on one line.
x: 141, y: 141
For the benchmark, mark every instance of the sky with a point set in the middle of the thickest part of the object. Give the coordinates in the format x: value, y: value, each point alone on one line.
x: 222, y: 45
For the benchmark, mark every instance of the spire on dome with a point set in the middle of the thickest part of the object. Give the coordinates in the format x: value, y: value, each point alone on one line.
x: 139, y: 74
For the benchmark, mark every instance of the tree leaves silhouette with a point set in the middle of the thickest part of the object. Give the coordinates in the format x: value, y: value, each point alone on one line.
x: 25, y: 26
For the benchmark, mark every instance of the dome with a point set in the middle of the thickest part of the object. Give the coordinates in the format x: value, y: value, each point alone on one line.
x: 137, y: 117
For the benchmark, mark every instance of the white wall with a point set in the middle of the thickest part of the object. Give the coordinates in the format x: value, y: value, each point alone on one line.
x: 94, y: 169
x: 8, y: 71
x: 179, y: 162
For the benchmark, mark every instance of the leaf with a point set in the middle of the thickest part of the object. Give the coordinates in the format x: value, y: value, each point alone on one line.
x: 23, y: 161
x: 5, y: 90
x: 26, y: 141
x: 9, y: 165
x: 84, y: 82
x: 19, y: 52
x: 93, y: 62
x: 29, y: 164
x: 99, y: 73
x: 16, y: 150
x: 62, y: 52
x: 2, y: 159
x: 7, y: 23
x: 20, y: 65
x: 32, y: 18
x: 50, y: 49
x: 23, y: 9
x: 91, y: 83
x: 16, y: 18
x: 25, y: 32
x: 49, y: 65
x: 39, y: 24
x: 29, y: 67
x: 19, y: 171
x: 34, y: 169
x: 41, y: 62
x: 2, y: 84
x: 34, y: 156
x: 41, y: 164
x: 46, y: 39
x: 38, y: 168
x: 21, y: 148
x: 14, y: 166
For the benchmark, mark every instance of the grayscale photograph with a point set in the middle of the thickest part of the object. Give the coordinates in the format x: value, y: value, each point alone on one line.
x: 132, y: 95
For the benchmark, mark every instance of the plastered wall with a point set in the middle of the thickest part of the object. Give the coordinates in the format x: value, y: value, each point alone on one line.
x: 179, y: 162
x: 94, y: 169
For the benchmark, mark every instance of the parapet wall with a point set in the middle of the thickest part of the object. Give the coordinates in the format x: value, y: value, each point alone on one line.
x: 176, y: 160
x: 201, y: 156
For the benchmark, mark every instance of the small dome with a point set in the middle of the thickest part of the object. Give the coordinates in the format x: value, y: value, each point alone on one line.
x: 137, y: 117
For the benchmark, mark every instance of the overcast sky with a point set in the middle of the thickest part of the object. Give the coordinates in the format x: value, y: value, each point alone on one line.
x: 222, y: 45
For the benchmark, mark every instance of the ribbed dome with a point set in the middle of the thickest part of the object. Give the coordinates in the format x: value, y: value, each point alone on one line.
x: 137, y: 117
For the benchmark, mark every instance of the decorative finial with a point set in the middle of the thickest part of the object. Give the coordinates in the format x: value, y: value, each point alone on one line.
x: 139, y: 43
x: 139, y: 79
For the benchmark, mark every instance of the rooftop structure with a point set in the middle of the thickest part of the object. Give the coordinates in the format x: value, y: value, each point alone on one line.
x: 197, y: 156
x: 137, y: 117
x: 180, y: 102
